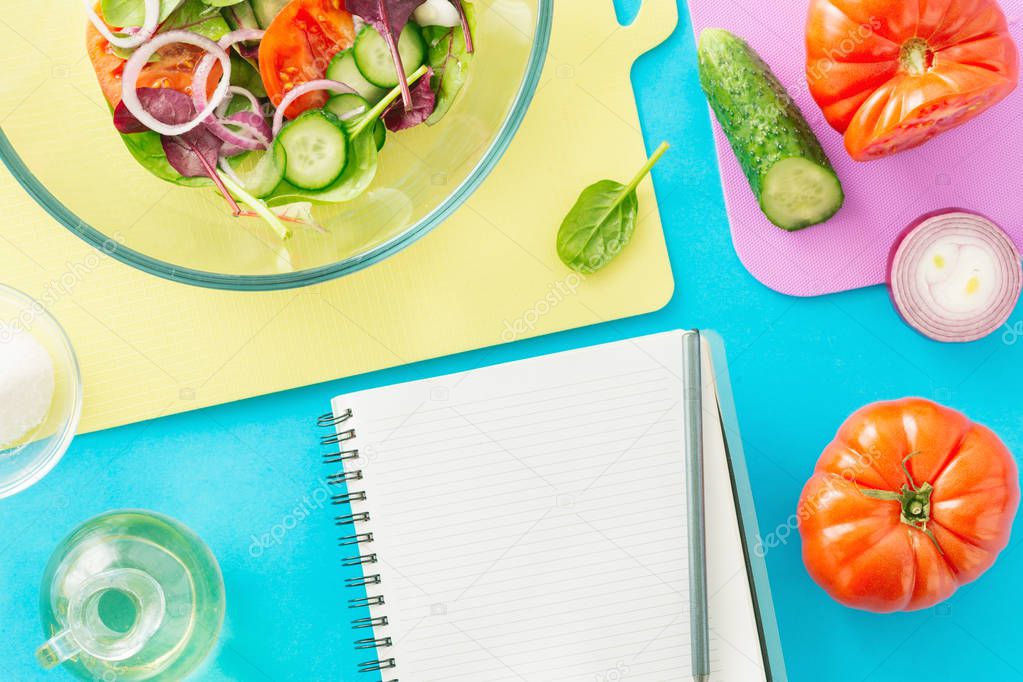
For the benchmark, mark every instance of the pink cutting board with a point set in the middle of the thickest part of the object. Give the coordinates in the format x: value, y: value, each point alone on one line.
x: 978, y: 167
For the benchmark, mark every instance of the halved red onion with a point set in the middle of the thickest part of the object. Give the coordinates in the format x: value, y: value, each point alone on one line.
x: 134, y: 38
x: 955, y: 276
x: 202, y: 74
x: 140, y: 58
x: 305, y: 89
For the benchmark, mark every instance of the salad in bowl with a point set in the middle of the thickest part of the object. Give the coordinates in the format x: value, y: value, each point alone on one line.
x: 278, y: 105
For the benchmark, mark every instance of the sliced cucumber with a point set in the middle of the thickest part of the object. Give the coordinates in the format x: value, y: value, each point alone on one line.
x: 799, y: 192
x: 347, y: 106
x: 342, y: 68
x: 374, y: 59
x: 260, y: 172
x: 783, y: 160
x: 266, y: 10
x: 316, y: 149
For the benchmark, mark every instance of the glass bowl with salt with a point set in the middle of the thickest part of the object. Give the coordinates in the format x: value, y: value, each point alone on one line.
x: 40, y: 391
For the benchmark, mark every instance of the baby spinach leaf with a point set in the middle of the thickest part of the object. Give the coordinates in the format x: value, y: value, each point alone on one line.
x: 198, y: 17
x: 245, y: 75
x: 147, y: 148
x: 450, y: 58
x: 602, y: 221
x: 121, y: 13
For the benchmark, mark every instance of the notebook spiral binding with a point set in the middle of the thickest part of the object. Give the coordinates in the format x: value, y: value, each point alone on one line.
x: 341, y: 436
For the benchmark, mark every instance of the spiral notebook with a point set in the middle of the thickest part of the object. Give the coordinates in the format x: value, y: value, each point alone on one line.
x: 527, y: 521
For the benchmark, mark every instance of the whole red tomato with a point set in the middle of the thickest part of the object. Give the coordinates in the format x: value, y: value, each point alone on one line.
x: 910, y: 501
x: 892, y: 74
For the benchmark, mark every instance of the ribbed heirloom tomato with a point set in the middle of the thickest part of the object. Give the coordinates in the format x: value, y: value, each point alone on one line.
x: 910, y: 501
x: 892, y: 74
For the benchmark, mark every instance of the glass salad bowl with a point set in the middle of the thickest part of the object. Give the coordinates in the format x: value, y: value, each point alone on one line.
x: 58, y: 140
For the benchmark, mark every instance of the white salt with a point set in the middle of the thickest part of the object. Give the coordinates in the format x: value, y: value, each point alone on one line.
x: 26, y: 386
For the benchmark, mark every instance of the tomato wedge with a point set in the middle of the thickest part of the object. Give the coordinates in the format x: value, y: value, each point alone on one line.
x: 175, y: 69
x: 892, y: 74
x: 298, y: 47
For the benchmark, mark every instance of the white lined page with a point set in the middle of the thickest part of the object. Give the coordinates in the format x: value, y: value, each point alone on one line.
x: 530, y: 518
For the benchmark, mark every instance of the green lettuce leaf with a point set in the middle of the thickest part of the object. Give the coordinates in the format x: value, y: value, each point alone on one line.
x: 121, y: 13
x: 198, y: 17
x: 147, y: 148
x: 450, y: 59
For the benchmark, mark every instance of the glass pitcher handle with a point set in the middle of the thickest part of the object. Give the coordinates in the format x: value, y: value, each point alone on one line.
x: 87, y: 634
x: 60, y: 648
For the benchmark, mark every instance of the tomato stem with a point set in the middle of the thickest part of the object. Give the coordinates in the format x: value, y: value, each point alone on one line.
x: 916, y: 56
x: 914, y: 502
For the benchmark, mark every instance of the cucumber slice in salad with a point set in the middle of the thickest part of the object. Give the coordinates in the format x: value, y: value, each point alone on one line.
x: 347, y: 106
x: 343, y: 69
x: 316, y: 149
x: 374, y: 60
x: 260, y: 172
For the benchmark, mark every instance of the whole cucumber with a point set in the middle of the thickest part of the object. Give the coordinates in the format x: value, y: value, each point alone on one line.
x: 787, y: 168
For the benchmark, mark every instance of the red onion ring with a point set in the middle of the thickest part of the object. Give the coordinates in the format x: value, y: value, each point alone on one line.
x: 253, y: 126
x: 228, y: 170
x: 241, y: 92
x: 955, y: 277
x: 140, y: 58
x: 202, y: 74
x: 149, y: 25
x: 304, y: 89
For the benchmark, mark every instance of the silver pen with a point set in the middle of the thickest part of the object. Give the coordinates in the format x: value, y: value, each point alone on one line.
x: 693, y: 433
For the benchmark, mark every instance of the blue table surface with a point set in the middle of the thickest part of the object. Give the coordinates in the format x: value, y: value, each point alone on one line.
x: 799, y: 367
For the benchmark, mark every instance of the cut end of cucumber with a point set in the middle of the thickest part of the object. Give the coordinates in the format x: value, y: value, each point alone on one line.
x: 798, y: 193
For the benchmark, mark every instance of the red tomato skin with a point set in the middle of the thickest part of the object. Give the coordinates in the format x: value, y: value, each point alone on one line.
x: 858, y: 549
x: 868, y: 90
x: 298, y: 46
x: 175, y: 70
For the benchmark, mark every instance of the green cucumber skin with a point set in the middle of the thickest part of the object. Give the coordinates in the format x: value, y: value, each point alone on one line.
x: 760, y: 119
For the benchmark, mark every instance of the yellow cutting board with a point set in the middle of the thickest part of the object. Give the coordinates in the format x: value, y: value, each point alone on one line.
x: 149, y: 347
